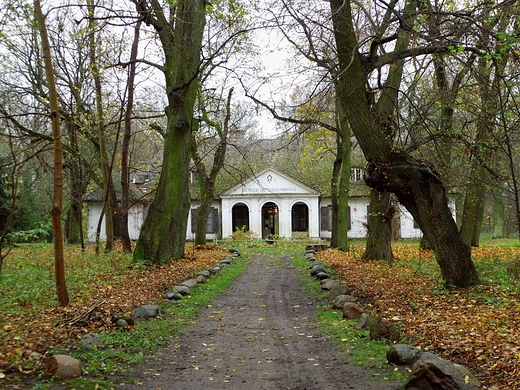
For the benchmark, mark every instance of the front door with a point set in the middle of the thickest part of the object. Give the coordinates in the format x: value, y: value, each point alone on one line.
x: 270, y: 220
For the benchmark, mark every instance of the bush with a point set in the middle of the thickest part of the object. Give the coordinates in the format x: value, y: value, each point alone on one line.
x: 241, y: 234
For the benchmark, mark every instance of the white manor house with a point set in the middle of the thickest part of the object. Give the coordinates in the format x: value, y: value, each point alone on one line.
x: 270, y: 203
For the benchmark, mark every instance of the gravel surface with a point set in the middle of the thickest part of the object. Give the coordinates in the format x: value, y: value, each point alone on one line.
x: 260, y: 334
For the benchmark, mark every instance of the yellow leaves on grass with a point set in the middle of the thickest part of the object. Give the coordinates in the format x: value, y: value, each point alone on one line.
x: 476, y: 327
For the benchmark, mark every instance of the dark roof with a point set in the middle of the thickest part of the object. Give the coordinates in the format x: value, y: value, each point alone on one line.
x: 135, y: 194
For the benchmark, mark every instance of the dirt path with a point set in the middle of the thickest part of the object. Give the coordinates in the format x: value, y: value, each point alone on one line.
x: 260, y: 334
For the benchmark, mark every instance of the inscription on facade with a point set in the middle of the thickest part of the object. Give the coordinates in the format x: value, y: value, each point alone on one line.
x: 251, y: 190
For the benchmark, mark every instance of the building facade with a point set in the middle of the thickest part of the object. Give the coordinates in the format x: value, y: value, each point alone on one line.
x: 270, y: 204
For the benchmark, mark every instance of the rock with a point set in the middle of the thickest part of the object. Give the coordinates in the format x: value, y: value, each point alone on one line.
x: 190, y: 283
x: 213, y: 270
x: 205, y: 273
x: 200, y: 279
x: 174, y: 296
x: 183, y: 290
x: 121, y: 323
x: 328, y: 283
x: 431, y: 372
x: 146, y: 311
x: 227, y: 261
x: 338, y: 289
x: 352, y: 310
x: 384, y: 329
x: 235, y: 254
x: 315, y: 263
x: 63, y: 366
x: 310, y: 256
x: 317, y: 269
x: 322, y: 275
x: 91, y: 341
x: 233, y: 250
x: 403, y: 354
x: 340, y: 301
x: 366, y: 321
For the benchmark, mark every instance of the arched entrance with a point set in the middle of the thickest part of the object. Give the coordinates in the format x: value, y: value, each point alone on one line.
x: 240, y: 217
x: 300, y: 218
x: 270, y: 220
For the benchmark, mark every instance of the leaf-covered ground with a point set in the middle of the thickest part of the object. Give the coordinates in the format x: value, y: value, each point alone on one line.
x: 477, y: 327
x: 35, y: 330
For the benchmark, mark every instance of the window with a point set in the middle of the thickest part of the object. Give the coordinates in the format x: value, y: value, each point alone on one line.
x: 300, y: 218
x: 212, y: 224
x: 326, y: 218
x: 356, y: 174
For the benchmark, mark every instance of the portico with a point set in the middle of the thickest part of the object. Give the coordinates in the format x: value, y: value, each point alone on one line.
x: 271, y: 203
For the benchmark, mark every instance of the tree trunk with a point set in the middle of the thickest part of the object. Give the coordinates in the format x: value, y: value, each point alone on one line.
x: 163, y: 234
x: 343, y: 215
x: 59, y: 262
x: 380, y: 217
x: 74, y: 218
x: 421, y: 191
x: 343, y: 191
x: 415, y: 184
x: 473, y: 210
x: 381, y: 209
x: 100, y: 122
x: 207, y: 180
x: 202, y: 219
x: 125, y: 174
x: 334, y: 185
x: 498, y: 214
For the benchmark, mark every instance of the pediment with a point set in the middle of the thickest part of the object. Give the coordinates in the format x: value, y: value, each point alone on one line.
x: 270, y: 182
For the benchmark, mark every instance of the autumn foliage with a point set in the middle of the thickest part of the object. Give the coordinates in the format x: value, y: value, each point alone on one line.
x: 476, y: 327
x: 32, y: 330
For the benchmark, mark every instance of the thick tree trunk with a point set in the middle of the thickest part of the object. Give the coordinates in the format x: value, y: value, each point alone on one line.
x: 380, y: 217
x: 73, y: 224
x: 415, y: 184
x: 163, y: 234
x: 473, y: 210
x: 420, y: 190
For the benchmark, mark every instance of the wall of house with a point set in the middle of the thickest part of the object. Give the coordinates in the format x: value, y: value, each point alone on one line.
x: 136, y: 216
x: 358, y: 218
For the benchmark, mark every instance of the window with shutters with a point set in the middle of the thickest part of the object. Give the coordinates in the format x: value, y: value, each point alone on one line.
x: 326, y: 218
x: 212, y: 225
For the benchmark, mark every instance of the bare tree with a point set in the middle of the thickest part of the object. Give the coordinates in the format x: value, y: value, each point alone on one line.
x: 59, y: 263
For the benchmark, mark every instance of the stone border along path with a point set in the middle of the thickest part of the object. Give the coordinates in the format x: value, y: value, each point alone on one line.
x: 259, y: 334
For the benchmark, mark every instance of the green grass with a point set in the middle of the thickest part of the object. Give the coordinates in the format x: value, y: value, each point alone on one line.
x: 126, y: 348
x: 27, y: 286
x: 28, y: 282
